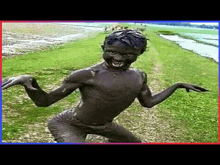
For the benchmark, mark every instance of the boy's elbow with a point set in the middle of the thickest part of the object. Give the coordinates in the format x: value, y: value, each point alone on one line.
x: 42, y: 104
x: 148, y: 105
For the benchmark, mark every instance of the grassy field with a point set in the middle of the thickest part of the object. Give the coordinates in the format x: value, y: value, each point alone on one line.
x: 197, y: 112
x: 185, y: 117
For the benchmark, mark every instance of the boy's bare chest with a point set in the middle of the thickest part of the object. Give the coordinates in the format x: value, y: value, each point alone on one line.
x: 117, y: 83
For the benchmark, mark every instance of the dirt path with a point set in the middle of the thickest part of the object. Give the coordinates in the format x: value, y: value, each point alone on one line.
x: 156, y: 128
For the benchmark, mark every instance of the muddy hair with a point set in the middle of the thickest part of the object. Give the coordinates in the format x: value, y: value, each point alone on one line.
x: 129, y: 37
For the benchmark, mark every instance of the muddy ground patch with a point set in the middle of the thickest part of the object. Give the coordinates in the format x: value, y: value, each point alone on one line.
x: 21, y: 38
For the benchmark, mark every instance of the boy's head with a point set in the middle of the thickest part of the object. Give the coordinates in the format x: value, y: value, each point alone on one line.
x: 121, y: 48
x: 129, y: 39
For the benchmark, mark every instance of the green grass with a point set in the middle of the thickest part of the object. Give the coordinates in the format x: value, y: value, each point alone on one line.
x: 195, y: 113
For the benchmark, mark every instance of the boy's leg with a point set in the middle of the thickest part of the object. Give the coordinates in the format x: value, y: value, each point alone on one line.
x: 64, y: 131
x: 117, y: 133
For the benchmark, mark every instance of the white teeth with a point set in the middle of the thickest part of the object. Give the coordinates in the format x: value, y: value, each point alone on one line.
x: 117, y: 64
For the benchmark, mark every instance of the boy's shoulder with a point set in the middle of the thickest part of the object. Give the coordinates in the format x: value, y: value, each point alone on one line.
x: 141, y: 73
x: 96, y: 68
x: 82, y: 75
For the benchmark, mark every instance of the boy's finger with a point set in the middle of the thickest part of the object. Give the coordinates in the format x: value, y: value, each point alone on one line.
x: 201, y: 89
x: 8, y: 85
x: 5, y: 82
x: 197, y: 90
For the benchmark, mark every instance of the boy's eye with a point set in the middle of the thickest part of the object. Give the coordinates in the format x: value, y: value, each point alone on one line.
x: 129, y: 55
x: 112, y: 53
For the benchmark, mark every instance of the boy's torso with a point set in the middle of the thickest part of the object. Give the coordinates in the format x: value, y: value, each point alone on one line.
x: 107, y: 93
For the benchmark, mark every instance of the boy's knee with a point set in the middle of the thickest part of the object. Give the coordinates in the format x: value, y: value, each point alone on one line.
x: 53, y: 127
x: 51, y: 124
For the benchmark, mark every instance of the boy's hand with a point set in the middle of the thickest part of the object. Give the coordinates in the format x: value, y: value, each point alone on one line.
x: 24, y: 80
x: 192, y: 87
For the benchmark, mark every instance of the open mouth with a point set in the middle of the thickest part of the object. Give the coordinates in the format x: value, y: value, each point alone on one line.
x: 117, y: 64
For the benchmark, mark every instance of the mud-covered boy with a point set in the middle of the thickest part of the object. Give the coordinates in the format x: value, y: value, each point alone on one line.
x: 106, y: 90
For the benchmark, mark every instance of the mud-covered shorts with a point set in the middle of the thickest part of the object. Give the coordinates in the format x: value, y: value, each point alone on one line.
x: 65, y: 127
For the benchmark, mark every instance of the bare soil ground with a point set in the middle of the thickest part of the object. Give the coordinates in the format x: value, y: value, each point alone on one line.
x: 21, y: 38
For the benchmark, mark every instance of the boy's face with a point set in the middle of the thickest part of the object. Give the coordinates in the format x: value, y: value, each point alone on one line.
x: 118, y: 56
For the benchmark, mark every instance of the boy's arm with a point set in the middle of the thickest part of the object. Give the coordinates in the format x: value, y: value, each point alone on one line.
x: 43, y: 99
x: 40, y: 97
x: 147, y: 100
